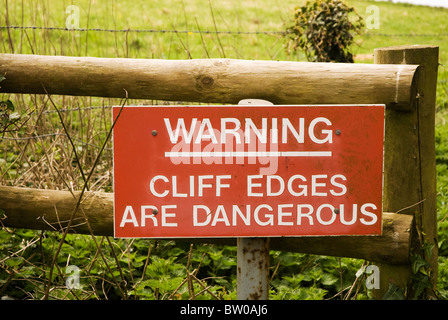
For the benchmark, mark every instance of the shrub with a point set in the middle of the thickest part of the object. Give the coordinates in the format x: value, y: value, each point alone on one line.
x: 324, y: 30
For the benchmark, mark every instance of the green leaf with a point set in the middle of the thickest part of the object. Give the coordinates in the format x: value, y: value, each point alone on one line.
x: 14, y: 262
x: 427, y: 247
x: 328, y: 279
x: 393, y: 293
x: 9, y: 105
x: 418, y: 262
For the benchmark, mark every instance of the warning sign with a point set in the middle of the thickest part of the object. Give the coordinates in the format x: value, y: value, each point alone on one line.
x: 248, y: 171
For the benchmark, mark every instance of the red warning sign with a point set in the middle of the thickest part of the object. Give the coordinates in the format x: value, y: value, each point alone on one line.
x: 248, y: 171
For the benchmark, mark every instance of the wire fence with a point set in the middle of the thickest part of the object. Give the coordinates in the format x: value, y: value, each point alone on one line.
x: 161, y: 31
x: 55, y: 134
x: 228, y: 32
x: 143, y: 30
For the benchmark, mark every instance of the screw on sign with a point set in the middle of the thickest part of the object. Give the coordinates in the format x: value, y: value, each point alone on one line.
x: 248, y: 171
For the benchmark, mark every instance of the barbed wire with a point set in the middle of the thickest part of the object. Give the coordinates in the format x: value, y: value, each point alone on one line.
x: 55, y: 134
x: 229, y: 32
x: 33, y: 137
x: 77, y: 109
x: 49, y: 135
x: 407, y: 34
x: 145, y: 30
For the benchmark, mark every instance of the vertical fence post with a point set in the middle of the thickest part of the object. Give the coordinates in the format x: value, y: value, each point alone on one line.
x: 409, y: 164
x: 252, y: 278
x: 252, y: 268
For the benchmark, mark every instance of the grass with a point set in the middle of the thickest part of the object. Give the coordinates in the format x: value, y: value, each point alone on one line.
x: 266, y: 15
x: 157, y: 15
x: 119, y: 269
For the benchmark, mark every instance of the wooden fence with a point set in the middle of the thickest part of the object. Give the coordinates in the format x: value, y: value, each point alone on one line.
x: 403, y: 78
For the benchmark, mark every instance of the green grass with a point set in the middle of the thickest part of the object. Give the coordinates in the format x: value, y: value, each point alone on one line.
x: 399, y: 19
x: 117, y: 269
x: 266, y: 15
x: 157, y: 15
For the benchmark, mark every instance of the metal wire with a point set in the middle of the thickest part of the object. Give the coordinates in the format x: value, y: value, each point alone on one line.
x: 238, y: 32
x: 162, y: 31
x: 145, y: 30
x: 49, y: 135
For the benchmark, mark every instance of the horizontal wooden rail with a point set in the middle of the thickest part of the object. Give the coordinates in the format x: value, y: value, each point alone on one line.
x: 211, y: 80
x: 51, y: 209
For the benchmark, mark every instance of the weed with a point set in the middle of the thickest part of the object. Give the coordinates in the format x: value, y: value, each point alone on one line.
x: 324, y: 30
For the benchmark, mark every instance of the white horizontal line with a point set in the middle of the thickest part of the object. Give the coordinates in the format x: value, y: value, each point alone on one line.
x: 235, y: 154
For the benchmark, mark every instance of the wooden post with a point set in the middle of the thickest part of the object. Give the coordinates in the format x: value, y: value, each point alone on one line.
x: 409, y: 164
